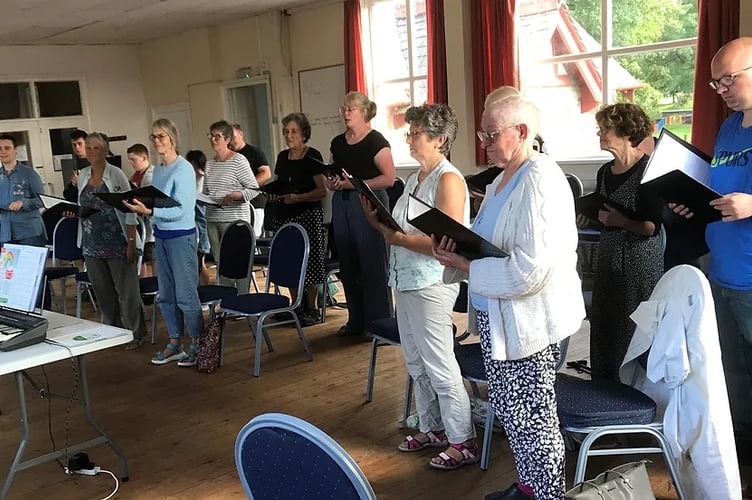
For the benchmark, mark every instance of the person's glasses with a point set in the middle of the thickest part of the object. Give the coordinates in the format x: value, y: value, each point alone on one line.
x: 215, y: 137
x: 348, y: 109
x: 488, y: 138
x: 412, y: 134
x: 154, y: 137
x: 727, y: 80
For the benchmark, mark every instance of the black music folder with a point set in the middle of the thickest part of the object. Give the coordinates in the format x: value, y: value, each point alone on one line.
x: 70, y: 165
x: 280, y: 187
x: 431, y: 220
x: 150, y: 196
x: 63, y: 205
x: 382, y: 212
x: 679, y: 173
x: 325, y: 169
x: 478, y: 182
x: 589, y: 205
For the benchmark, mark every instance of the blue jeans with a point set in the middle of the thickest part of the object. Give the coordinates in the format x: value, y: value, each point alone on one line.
x: 733, y: 309
x: 177, y: 275
x: 203, y: 235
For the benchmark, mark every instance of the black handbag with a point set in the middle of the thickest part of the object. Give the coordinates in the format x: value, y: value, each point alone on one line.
x: 625, y: 482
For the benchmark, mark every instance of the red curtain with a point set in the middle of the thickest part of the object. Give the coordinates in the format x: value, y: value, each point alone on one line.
x: 355, y: 78
x: 494, y: 46
x: 717, y: 24
x: 436, y: 41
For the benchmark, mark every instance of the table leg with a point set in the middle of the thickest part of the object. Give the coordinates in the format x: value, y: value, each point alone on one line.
x: 24, y: 435
x: 95, y: 425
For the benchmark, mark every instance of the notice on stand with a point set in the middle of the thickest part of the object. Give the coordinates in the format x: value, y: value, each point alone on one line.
x: 22, y: 275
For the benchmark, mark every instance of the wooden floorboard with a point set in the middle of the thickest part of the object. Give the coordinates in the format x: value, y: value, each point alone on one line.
x: 178, y: 427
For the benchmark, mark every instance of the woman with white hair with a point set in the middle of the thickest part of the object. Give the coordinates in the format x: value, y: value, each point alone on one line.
x: 523, y: 305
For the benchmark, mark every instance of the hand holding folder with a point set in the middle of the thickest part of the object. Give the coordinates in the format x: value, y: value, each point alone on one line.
x: 432, y: 221
x: 679, y: 173
x: 150, y: 196
x: 590, y: 204
x: 382, y: 212
x: 326, y: 169
x: 281, y: 187
x: 64, y: 205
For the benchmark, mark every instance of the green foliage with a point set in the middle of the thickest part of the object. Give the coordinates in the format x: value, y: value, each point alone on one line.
x: 647, y: 98
x: 636, y: 22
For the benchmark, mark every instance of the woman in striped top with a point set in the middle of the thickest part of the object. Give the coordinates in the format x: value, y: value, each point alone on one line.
x: 230, y: 181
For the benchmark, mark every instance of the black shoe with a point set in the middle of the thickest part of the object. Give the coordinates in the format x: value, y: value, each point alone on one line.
x: 511, y: 493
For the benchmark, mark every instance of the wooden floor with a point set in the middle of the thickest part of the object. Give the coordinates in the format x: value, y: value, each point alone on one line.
x: 178, y: 427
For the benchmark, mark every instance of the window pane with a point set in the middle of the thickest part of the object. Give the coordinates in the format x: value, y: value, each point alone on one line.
x: 393, y: 100
x: 59, y: 99
x: 637, y: 22
x: 15, y: 101
x: 419, y: 37
x: 389, y: 40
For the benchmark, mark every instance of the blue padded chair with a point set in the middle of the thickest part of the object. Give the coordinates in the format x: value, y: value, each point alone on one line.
x: 600, y: 408
x: 288, y: 259
x: 235, y: 262
x: 472, y: 368
x: 283, y: 457
x: 64, y: 249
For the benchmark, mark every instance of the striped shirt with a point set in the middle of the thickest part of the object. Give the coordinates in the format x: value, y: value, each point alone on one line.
x: 223, y: 177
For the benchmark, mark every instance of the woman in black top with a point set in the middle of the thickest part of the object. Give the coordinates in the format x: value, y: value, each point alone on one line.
x: 363, y: 153
x: 296, y: 167
x: 630, y: 253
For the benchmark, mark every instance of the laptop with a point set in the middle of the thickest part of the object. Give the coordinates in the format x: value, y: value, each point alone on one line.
x: 22, y: 285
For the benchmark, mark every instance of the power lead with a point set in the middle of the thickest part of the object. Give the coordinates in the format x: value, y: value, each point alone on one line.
x: 84, y: 472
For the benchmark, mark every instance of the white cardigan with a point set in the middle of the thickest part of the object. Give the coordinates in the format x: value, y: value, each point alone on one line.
x: 535, y: 293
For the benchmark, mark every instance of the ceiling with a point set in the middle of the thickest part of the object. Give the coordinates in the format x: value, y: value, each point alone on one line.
x: 70, y: 22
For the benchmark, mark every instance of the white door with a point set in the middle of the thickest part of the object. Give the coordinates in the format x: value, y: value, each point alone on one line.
x: 180, y: 115
x: 42, y: 144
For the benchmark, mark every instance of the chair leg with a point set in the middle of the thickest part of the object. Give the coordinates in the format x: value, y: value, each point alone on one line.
x: 154, y: 307
x: 91, y: 298
x: 78, y: 301
x: 257, y: 354
x: 65, y: 302
x: 302, y: 338
x: 485, y: 455
x: 408, y: 398
x: 372, y: 370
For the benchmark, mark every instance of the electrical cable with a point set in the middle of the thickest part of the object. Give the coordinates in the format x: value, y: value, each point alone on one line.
x: 68, y: 407
x: 117, y: 484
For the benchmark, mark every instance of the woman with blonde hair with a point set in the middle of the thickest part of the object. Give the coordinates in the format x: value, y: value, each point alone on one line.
x: 175, y: 246
x: 366, y: 154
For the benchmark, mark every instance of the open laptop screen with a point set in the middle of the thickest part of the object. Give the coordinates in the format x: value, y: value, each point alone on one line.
x: 22, y: 277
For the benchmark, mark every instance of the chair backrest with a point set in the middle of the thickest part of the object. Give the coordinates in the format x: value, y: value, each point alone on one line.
x: 395, y: 191
x: 236, y: 251
x: 65, y: 241
x: 288, y: 258
x: 575, y: 184
x: 283, y: 457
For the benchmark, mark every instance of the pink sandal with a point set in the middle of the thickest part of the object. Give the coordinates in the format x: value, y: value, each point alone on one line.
x: 435, y: 440
x: 469, y: 456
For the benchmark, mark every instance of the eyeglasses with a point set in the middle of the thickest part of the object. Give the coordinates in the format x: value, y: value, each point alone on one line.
x: 348, y: 109
x: 727, y: 80
x: 412, y: 134
x: 488, y: 138
x: 215, y: 137
x: 154, y: 137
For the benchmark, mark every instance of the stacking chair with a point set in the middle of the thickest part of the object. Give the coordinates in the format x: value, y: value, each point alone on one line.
x: 235, y: 262
x: 288, y: 258
x: 575, y: 184
x: 470, y: 359
x: 283, y: 457
x: 64, y: 248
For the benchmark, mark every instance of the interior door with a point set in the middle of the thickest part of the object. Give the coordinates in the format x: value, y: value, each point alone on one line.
x: 249, y: 103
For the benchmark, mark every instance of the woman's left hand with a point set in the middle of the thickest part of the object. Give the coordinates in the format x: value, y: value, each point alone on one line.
x: 372, y: 216
x: 445, y: 251
x: 138, y: 207
x: 611, y: 217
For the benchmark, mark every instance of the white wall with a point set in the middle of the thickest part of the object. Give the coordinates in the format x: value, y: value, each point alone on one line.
x: 113, y: 90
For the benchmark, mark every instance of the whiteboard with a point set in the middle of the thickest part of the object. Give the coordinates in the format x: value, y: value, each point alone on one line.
x: 322, y: 91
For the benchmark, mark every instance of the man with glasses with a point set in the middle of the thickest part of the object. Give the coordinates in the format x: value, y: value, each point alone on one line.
x: 730, y: 240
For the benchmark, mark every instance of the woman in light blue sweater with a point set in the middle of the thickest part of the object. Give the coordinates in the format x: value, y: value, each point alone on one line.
x: 175, y: 246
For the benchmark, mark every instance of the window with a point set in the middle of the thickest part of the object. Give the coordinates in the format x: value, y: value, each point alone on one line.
x: 395, y: 47
x: 58, y: 99
x: 15, y: 101
x: 573, y: 60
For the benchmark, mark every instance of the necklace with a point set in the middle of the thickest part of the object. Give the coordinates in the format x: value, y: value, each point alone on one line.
x: 294, y: 155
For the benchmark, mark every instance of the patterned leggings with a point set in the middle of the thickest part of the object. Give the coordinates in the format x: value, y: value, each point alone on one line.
x: 522, y: 396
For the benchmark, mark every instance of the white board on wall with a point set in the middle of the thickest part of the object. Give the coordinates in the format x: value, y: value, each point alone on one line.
x: 321, y: 93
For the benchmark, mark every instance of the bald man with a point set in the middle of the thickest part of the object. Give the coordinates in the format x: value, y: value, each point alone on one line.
x: 730, y: 240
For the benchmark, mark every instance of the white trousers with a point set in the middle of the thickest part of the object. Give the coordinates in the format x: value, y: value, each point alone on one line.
x: 424, y: 318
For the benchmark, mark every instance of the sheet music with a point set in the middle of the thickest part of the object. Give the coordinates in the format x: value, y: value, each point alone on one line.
x: 671, y: 153
x: 22, y: 275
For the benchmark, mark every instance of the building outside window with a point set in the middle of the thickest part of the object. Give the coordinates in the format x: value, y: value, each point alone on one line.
x: 573, y: 60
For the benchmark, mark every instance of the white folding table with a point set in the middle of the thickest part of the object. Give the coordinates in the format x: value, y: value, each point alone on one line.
x: 76, y: 338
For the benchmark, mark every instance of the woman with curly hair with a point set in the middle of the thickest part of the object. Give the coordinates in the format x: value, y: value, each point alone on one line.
x: 630, y: 253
